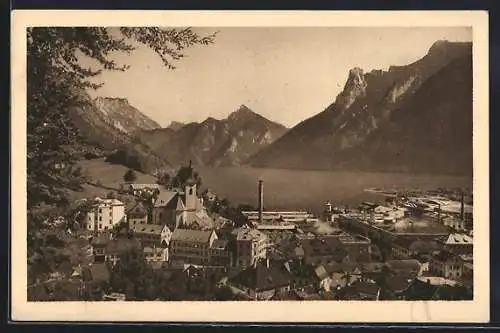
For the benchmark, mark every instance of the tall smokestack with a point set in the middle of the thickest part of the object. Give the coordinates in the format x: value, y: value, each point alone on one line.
x: 261, y: 199
x: 462, y: 205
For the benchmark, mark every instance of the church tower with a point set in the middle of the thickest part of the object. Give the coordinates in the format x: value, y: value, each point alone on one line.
x: 190, y: 191
x: 328, y: 213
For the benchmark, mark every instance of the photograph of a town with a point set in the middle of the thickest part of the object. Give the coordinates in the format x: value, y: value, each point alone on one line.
x: 249, y: 163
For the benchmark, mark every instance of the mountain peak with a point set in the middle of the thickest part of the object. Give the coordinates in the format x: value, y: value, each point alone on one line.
x: 175, y: 125
x: 439, y: 45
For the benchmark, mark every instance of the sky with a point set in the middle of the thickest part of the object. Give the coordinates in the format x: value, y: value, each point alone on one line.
x: 285, y: 74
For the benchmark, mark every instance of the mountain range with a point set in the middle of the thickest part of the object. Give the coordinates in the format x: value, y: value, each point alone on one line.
x: 108, y: 127
x: 414, y: 118
x: 213, y: 142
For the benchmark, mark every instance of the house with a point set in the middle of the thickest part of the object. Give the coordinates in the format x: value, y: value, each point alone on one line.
x: 454, y: 222
x: 176, y: 208
x: 322, y: 250
x: 458, y: 243
x: 138, y: 214
x: 302, y: 275
x: 152, y: 235
x: 189, y: 246
x: 104, y: 214
x: 220, y: 253
x: 263, y: 280
x: 446, y: 264
x: 251, y: 245
x: 323, y: 278
x: 357, y: 247
x: 407, y: 268
x: 138, y: 189
x: 115, y: 248
x: 372, y: 270
x: 153, y: 254
x: 405, y: 248
x: 467, y: 268
x: 396, y: 287
x: 98, y: 248
x: 360, y: 290
x: 420, y: 290
x: 210, y: 195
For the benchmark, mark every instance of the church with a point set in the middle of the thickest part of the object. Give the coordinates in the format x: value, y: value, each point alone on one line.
x: 181, y: 208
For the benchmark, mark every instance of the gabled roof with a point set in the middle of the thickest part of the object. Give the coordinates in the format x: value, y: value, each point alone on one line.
x: 320, y: 272
x: 248, y: 234
x: 364, y: 287
x: 120, y: 245
x: 398, y: 284
x: 100, y: 272
x: 406, y: 267
x: 164, y: 198
x: 144, y: 186
x: 220, y: 244
x: 152, y: 229
x: 188, y: 235
x: 444, y: 256
x: 420, y: 290
x: 138, y: 210
x: 261, y: 278
x: 457, y: 239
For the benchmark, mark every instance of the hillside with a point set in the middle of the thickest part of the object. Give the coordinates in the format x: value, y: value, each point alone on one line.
x: 110, y: 125
x: 215, y: 142
x: 415, y: 118
x: 124, y: 116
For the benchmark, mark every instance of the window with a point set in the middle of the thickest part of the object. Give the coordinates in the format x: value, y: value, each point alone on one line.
x: 100, y: 218
x: 100, y: 226
x: 190, y: 191
x: 100, y: 210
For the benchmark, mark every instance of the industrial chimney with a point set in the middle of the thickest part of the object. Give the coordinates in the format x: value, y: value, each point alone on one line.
x: 462, y: 205
x: 261, y: 199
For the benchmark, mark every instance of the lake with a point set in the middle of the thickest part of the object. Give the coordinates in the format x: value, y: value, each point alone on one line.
x: 305, y: 189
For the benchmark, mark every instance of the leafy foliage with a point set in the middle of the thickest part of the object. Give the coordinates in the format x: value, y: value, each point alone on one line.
x: 56, y: 78
x: 130, y: 176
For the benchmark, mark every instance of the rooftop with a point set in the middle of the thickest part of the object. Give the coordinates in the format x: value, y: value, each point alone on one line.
x: 454, y: 239
x: 144, y: 186
x: 164, y: 198
x: 261, y: 277
x: 220, y: 244
x: 248, y: 234
x: 153, y: 229
x: 189, y: 235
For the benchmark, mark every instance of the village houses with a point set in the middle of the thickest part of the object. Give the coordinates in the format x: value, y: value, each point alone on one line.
x: 251, y: 245
x: 105, y: 214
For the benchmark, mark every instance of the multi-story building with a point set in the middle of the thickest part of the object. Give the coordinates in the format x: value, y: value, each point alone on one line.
x: 104, y: 214
x: 180, y: 208
x: 137, y: 215
x: 447, y: 265
x: 152, y: 235
x: 458, y: 243
x: 250, y: 244
x: 220, y: 253
x: 189, y: 246
x: 404, y: 248
x: 155, y: 254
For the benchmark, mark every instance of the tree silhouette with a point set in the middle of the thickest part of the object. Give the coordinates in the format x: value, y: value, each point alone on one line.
x: 130, y: 176
x: 56, y: 78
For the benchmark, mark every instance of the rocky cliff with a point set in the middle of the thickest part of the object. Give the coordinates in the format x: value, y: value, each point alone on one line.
x: 215, y: 142
x: 414, y: 118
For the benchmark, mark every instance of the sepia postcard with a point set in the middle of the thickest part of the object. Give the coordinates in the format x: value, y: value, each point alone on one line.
x: 232, y: 166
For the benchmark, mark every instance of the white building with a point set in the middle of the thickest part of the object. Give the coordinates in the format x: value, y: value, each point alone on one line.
x: 105, y: 214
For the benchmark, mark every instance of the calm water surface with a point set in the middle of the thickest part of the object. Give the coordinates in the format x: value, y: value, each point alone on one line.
x: 299, y: 189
